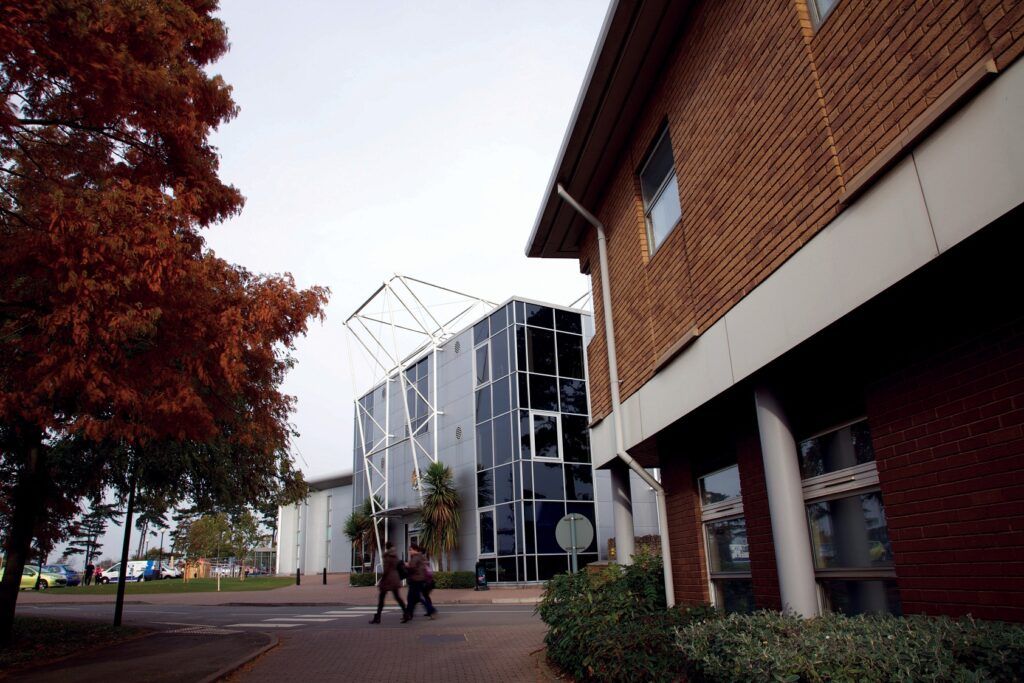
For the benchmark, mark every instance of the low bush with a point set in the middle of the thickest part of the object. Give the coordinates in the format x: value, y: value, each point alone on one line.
x: 768, y: 646
x: 454, y: 580
x: 362, y: 579
x: 612, y: 625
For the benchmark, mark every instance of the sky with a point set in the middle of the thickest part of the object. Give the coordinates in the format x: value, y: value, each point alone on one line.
x: 377, y: 138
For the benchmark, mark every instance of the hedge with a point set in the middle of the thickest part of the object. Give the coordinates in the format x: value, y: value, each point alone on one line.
x: 454, y: 580
x: 768, y: 646
x: 441, y: 579
x: 362, y: 579
x: 612, y: 625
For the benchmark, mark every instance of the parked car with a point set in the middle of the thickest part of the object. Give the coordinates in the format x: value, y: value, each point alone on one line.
x: 69, y: 573
x: 171, y: 571
x: 46, y: 579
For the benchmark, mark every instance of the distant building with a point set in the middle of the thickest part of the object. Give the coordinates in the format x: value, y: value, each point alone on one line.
x: 311, y: 533
x: 504, y: 402
x: 813, y: 212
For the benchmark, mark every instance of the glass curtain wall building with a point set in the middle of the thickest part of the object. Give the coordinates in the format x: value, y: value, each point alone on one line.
x: 513, y: 412
x: 532, y: 443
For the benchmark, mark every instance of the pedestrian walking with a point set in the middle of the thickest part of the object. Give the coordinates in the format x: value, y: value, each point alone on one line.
x: 418, y: 592
x: 390, y: 581
x: 89, y: 569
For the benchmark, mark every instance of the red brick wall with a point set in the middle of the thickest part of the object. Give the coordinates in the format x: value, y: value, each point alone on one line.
x: 769, y: 120
x: 689, y: 570
x: 764, y: 571
x: 949, y: 439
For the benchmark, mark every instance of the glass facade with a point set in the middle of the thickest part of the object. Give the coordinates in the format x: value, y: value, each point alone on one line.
x: 532, y: 440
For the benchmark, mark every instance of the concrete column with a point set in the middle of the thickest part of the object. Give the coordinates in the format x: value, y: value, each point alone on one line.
x: 786, y: 506
x: 622, y: 512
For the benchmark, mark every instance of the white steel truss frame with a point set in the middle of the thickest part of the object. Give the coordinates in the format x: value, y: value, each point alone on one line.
x: 401, y: 306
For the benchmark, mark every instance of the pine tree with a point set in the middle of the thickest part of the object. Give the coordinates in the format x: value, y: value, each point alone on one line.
x: 90, y: 528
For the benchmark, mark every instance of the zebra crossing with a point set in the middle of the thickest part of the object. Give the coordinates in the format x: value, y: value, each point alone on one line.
x: 318, y: 618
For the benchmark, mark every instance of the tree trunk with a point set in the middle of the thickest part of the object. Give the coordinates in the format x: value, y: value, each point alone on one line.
x: 121, y: 575
x: 28, y: 493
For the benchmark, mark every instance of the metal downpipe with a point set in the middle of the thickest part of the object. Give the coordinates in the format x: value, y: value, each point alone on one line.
x: 613, y: 380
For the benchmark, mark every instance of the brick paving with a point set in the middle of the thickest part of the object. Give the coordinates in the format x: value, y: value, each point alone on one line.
x: 396, y: 653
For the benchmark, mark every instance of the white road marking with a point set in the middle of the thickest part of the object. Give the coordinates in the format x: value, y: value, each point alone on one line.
x: 263, y: 625
x: 303, y: 619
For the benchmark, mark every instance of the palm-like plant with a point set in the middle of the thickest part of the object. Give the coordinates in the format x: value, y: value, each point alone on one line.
x: 439, y: 515
x: 360, y: 529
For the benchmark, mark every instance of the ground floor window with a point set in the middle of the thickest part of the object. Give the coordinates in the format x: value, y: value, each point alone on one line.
x: 853, y: 558
x: 725, y: 540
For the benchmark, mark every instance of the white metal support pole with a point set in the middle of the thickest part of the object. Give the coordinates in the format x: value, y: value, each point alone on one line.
x: 622, y: 511
x: 786, y: 507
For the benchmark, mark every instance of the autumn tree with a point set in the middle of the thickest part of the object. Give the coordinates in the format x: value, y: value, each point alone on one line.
x: 130, y: 355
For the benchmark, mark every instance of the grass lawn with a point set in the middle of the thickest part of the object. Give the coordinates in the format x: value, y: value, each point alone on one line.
x: 253, y: 583
x: 40, y: 640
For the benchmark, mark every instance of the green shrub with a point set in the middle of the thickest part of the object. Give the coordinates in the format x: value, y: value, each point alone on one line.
x: 768, y: 646
x: 363, y: 579
x: 612, y: 625
x: 454, y: 580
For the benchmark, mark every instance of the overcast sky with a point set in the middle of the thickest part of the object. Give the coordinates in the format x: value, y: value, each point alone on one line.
x: 393, y: 137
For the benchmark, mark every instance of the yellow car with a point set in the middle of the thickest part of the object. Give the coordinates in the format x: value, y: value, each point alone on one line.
x: 46, y: 580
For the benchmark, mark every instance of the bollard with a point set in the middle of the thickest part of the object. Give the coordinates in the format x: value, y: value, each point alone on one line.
x: 325, y: 576
x: 298, y: 577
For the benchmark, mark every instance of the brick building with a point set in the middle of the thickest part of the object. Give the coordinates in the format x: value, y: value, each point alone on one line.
x: 813, y: 212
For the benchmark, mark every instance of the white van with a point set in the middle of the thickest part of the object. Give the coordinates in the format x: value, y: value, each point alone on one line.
x: 138, y: 570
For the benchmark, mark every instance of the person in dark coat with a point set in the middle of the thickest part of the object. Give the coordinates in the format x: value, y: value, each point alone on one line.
x: 390, y: 581
x: 89, y: 569
x: 419, y: 571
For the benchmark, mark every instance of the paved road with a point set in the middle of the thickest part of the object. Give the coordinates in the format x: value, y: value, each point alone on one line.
x: 465, y: 642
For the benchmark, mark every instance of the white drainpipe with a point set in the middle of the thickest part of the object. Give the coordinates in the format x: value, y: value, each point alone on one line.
x: 613, y: 380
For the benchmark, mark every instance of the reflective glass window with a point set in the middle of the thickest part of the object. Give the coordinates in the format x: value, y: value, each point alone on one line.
x: 531, y: 543
x: 579, y: 482
x: 520, y: 312
x: 540, y: 316
x: 547, y: 481
x: 573, y: 396
x: 481, y: 331
x: 727, y: 547
x: 507, y: 568
x: 735, y: 595
x: 568, y: 322
x: 484, y: 446
x: 503, y: 486
x: 499, y: 396
x: 548, y: 513
x: 570, y: 355
x: 540, y: 350
x: 549, y: 566
x: 850, y: 532
x: 575, y: 438
x: 836, y: 450
x: 862, y: 597
x: 483, y: 404
x: 502, y: 427
x: 487, y: 531
x: 483, y: 370
x: 505, y: 520
x: 660, y: 193
x: 485, y: 488
x: 499, y: 354
x: 543, y: 393
x: 521, y: 348
x: 499, y: 319
x: 721, y: 485
x: 545, y: 436
x: 524, y: 435
x: 524, y: 390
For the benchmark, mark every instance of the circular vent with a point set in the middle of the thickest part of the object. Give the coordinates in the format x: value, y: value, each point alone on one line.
x: 458, y: 433
x: 458, y: 346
